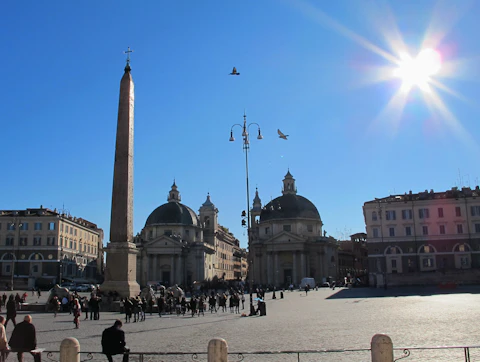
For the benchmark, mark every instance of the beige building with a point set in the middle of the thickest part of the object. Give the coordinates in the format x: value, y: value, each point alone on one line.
x: 177, y: 246
x: 42, y: 246
x: 424, y: 238
x: 288, y: 242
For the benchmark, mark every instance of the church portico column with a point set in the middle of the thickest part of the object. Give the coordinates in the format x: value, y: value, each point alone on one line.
x: 275, y: 269
x: 302, y: 265
x: 294, y: 271
x: 179, y: 270
x: 269, y: 268
x: 172, y: 270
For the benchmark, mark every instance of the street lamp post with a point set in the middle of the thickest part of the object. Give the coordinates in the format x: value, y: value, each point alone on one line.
x: 246, y: 147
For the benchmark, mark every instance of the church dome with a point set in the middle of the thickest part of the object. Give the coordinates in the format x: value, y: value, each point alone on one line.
x: 173, y: 213
x: 289, y: 206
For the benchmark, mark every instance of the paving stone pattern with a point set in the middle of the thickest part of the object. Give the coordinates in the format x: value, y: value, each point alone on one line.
x: 325, y: 319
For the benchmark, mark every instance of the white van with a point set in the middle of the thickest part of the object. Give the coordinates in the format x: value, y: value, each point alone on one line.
x: 309, y: 281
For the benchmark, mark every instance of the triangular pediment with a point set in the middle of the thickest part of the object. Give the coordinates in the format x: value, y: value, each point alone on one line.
x: 163, y: 241
x: 284, y: 237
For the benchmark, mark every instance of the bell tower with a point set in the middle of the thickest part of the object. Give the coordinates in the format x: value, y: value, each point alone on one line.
x: 289, y: 184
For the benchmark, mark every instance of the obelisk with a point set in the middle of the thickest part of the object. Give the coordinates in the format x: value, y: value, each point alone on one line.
x: 121, y: 266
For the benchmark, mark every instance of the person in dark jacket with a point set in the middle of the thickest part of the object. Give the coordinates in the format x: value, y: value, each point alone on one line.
x: 113, y: 342
x: 24, y: 339
x: 11, y: 311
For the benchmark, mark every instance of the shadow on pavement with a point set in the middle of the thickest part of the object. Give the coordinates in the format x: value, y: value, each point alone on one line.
x: 401, y: 292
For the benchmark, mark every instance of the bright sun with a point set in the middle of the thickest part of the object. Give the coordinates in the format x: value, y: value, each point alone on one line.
x: 418, y: 71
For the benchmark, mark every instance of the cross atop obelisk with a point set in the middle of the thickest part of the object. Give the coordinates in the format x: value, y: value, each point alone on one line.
x: 128, y: 51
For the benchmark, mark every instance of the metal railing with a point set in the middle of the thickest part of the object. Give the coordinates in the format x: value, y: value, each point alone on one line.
x: 418, y: 354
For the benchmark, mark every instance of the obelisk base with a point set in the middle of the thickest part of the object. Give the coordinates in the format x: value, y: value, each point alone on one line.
x: 121, y: 269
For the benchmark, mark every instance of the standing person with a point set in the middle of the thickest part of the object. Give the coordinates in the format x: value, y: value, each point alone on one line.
x: 4, y: 299
x: 160, y: 305
x: 128, y: 305
x: 55, y: 305
x: 24, y: 339
x: 11, y: 311
x: 39, y: 293
x: 113, y: 342
x: 243, y: 300
x: 193, y: 305
x: 85, y: 306
x: 3, y: 341
x: 307, y: 288
x: 77, y: 312
x: 17, y: 301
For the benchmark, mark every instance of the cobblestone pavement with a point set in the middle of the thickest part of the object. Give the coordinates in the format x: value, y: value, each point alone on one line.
x: 325, y: 319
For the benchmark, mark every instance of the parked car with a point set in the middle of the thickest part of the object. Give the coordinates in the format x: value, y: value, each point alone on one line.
x: 69, y: 286
x: 85, y: 288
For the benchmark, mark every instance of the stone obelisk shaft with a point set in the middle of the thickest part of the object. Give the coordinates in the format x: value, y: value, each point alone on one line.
x: 121, y: 266
x: 121, y: 221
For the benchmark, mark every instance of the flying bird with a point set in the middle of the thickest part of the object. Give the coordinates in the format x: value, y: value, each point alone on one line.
x: 234, y: 72
x: 281, y: 135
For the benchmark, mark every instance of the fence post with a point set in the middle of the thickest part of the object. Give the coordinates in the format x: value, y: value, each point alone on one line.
x: 382, y: 348
x: 70, y: 350
x: 217, y: 350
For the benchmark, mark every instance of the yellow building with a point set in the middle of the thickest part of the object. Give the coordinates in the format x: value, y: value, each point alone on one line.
x: 42, y: 247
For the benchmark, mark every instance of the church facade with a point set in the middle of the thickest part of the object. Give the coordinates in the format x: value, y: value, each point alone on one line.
x: 177, y: 246
x: 287, y: 240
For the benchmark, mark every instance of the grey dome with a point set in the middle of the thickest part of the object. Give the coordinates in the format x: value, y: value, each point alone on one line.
x: 289, y: 206
x: 173, y: 213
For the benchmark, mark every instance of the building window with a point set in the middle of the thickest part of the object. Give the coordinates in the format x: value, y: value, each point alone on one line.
x: 442, y: 229
x: 440, y: 212
x: 51, y: 240
x: 425, y: 230
x: 61, y: 228
x: 38, y: 226
x: 408, y: 231
x: 71, y: 244
x: 475, y: 210
x: 51, y: 226
x: 464, y: 261
x: 287, y: 227
x: 24, y: 241
x: 459, y: 229
x: 71, y: 230
x: 75, y: 232
x: 374, y: 216
x: 267, y: 230
x: 375, y: 232
x: 310, y: 228
x: 391, y: 231
x: 9, y: 241
x: 458, y: 211
x: 423, y: 213
x: 428, y: 262
x: 11, y: 226
x: 37, y: 240
x: 477, y: 228
x: 407, y: 214
x: 61, y: 241
x: 394, y: 263
x: 391, y: 215
x: 24, y: 226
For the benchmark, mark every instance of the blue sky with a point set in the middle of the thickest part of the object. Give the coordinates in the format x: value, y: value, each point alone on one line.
x: 307, y: 67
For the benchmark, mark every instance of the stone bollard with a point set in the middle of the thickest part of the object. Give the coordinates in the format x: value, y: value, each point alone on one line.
x: 382, y: 348
x: 70, y: 350
x: 217, y: 350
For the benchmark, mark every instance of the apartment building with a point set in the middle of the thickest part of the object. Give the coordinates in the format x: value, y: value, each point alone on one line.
x: 427, y: 238
x: 39, y: 246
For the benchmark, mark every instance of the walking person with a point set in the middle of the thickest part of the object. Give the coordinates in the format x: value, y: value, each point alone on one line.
x: 3, y: 341
x: 11, y: 311
x: 113, y: 342
x: 85, y: 306
x: 128, y: 305
x: 160, y: 305
x: 193, y: 305
x: 243, y: 301
x: 24, y: 339
x: 55, y: 305
x: 76, y: 313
